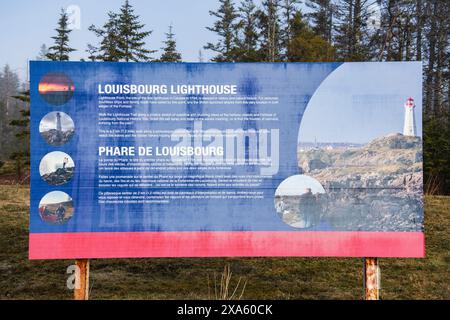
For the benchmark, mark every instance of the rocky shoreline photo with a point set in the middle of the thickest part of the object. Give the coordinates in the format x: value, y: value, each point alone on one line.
x: 372, y: 187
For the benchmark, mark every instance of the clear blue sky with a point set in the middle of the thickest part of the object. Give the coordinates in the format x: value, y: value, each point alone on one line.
x: 26, y: 24
x: 359, y: 102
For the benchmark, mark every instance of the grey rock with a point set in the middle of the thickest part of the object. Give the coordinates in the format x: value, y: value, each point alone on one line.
x: 60, y: 176
x: 376, y: 187
x: 57, y: 138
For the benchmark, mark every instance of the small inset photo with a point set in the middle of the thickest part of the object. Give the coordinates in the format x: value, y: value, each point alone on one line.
x: 56, y: 168
x: 56, y: 88
x: 56, y: 207
x: 300, y: 201
x: 56, y: 128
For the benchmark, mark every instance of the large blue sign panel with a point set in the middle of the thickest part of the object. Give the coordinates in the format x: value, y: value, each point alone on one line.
x: 225, y: 159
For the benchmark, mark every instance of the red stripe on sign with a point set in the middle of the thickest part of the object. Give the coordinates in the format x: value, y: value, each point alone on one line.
x: 225, y: 243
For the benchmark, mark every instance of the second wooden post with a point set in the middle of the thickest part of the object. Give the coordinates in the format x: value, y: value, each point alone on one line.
x: 371, y: 279
x: 81, y: 291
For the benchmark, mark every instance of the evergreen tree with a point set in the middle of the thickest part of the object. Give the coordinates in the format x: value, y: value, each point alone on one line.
x: 248, y: 24
x: 109, y: 35
x: 60, y: 50
x: 321, y: 18
x: 9, y: 86
x: 394, y: 40
x: 289, y: 10
x: 131, y: 44
x: 92, y: 50
x: 43, y: 51
x: 436, y: 59
x: 22, y: 156
x: 305, y: 45
x: 14, y: 119
x: 352, y: 33
x: 226, y: 27
x: 170, y: 53
x: 419, y: 26
x: 269, y: 24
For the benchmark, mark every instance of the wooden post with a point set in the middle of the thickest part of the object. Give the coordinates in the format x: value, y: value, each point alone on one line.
x: 81, y: 291
x: 371, y: 279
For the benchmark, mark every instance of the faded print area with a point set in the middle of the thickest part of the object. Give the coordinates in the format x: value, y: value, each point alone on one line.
x: 360, y: 138
x: 300, y: 201
x: 374, y: 187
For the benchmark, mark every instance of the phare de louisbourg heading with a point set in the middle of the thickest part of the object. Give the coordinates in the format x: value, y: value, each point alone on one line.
x: 167, y: 89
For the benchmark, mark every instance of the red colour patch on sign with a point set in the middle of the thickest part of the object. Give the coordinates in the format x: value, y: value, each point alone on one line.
x: 80, y: 245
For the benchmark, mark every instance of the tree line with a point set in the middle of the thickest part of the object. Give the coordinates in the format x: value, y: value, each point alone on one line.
x: 305, y: 31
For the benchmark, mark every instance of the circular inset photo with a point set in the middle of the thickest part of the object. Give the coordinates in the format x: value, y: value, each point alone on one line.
x: 56, y: 207
x: 300, y: 201
x: 56, y: 168
x: 56, y: 128
x: 56, y: 88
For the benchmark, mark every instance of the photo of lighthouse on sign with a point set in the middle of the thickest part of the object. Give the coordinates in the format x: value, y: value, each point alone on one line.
x: 409, y: 129
x: 358, y: 139
x: 56, y: 128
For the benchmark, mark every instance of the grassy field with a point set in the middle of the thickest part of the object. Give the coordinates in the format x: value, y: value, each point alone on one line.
x: 267, y: 278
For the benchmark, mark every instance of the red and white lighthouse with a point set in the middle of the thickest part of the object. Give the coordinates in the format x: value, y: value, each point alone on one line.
x: 409, y: 127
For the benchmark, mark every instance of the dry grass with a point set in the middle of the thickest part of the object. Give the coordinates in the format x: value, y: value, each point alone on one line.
x: 187, y: 278
x: 224, y: 289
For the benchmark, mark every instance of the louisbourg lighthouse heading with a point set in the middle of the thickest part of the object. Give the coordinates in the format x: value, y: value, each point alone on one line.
x: 167, y: 89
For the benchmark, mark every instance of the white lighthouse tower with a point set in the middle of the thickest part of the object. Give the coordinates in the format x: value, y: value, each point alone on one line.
x: 409, y: 128
x: 58, y: 122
